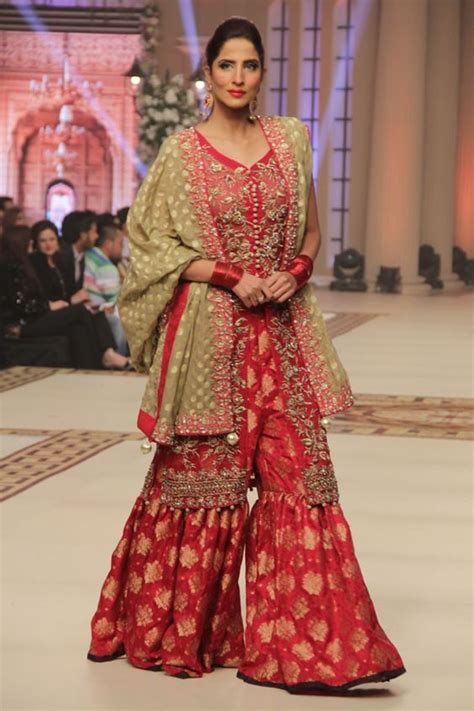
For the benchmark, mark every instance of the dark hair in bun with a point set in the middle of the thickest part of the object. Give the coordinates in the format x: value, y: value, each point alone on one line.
x: 230, y: 29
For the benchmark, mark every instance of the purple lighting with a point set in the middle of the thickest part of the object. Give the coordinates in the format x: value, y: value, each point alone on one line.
x: 361, y: 11
x: 189, y: 24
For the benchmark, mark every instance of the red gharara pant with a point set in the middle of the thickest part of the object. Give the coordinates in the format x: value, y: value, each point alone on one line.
x: 171, y: 599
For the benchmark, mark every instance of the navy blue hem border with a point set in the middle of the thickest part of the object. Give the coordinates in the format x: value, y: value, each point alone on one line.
x: 320, y: 686
x: 119, y: 653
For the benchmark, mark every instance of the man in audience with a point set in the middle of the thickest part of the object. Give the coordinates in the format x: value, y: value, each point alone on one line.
x: 14, y: 217
x: 79, y: 233
x: 6, y: 203
x: 107, y: 218
x: 102, y: 278
x: 122, y: 215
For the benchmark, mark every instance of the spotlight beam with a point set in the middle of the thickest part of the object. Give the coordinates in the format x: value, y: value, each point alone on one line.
x: 361, y: 11
x: 189, y: 24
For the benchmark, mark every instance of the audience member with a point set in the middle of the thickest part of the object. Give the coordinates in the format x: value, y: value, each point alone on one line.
x: 27, y: 311
x: 122, y: 215
x: 79, y: 233
x: 6, y: 203
x: 13, y: 217
x: 107, y: 218
x: 51, y: 263
x: 102, y: 278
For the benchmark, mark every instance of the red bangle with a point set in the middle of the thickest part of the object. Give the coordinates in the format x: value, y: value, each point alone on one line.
x: 301, y: 267
x: 227, y: 275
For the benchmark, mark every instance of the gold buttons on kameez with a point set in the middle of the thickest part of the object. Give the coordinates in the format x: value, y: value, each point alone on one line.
x: 232, y: 438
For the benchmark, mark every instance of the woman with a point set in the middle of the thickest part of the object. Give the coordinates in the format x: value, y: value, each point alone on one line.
x: 217, y: 309
x: 28, y: 311
x: 49, y: 265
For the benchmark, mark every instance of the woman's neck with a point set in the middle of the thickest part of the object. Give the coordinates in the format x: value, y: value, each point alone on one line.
x: 229, y: 123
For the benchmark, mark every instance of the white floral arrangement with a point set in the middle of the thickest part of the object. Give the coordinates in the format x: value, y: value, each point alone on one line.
x: 165, y: 107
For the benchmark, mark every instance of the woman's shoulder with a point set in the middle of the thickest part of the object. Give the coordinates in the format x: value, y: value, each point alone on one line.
x: 39, y: 262
x: 38, y: 259
x: 289, y: 122
x: 292, y: 126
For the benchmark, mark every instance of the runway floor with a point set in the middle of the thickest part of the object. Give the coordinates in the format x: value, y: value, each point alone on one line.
x: 403, y: 456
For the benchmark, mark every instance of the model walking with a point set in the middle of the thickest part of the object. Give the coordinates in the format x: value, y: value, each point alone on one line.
x: 218, y: 311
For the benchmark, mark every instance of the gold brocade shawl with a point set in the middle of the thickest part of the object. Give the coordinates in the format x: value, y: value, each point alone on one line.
x: 180, y: 333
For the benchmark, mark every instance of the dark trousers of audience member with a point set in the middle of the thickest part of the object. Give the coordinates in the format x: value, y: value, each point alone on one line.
x: 89, y: 335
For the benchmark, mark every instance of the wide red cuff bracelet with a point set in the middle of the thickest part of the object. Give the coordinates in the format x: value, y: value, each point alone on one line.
x: 301, y: 267
x: 227, y: 275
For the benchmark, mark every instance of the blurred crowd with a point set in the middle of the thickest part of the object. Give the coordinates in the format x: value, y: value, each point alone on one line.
x: 59, y: 288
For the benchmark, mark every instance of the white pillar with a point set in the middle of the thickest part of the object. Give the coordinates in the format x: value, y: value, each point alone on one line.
x: 442, y: 89
x: 396, y: 161
x: 464, y: 231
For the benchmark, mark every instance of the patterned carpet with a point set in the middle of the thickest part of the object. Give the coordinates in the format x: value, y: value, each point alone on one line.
x: 383, y: 415
x: 408, y: 416
x: 22, y: 375
x: 19, y: 375
x: 342, y: 323
x: 60, y: 451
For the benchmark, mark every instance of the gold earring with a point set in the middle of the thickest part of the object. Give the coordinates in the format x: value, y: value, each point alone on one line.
x: 252, y: 109
x: 207, y: 103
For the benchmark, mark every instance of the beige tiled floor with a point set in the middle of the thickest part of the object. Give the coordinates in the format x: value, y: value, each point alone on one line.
x: 408, y: 502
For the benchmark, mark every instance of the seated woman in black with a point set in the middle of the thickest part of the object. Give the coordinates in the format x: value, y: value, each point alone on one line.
x: 27, y: 311
x: 50, y: 265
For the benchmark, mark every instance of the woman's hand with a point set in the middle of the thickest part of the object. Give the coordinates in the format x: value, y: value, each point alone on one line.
x: 253, y: 291
x: 79, y: 297
x: 57, y: 305
x: 282, y: 285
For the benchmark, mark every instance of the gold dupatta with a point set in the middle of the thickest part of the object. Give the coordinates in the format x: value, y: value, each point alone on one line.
x: 180, y: 333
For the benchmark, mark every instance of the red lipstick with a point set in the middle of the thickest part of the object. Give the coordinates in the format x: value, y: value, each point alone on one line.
x: 236, y: 92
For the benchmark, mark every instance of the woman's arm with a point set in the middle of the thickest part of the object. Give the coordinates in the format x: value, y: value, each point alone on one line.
x: 199, y: 270
x: 312, y: 237
x: 251, y: 290
x: 284, y: 284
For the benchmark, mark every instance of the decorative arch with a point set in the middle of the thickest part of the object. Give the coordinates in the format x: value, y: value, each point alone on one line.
x: 90, y: 172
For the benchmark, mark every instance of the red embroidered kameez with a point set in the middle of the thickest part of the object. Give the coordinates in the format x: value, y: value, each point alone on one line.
x: 171, y: 601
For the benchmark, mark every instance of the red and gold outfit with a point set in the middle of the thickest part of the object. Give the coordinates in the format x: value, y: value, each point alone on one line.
x: 171, y: 600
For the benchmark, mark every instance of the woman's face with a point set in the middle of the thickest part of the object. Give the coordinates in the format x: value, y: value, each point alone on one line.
x: 236, y: 73
x: 48, y: 242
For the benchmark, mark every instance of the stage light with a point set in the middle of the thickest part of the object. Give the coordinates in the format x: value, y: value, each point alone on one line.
x: 429, y: 266
x: 349, y: 271
x: 389, y: 280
